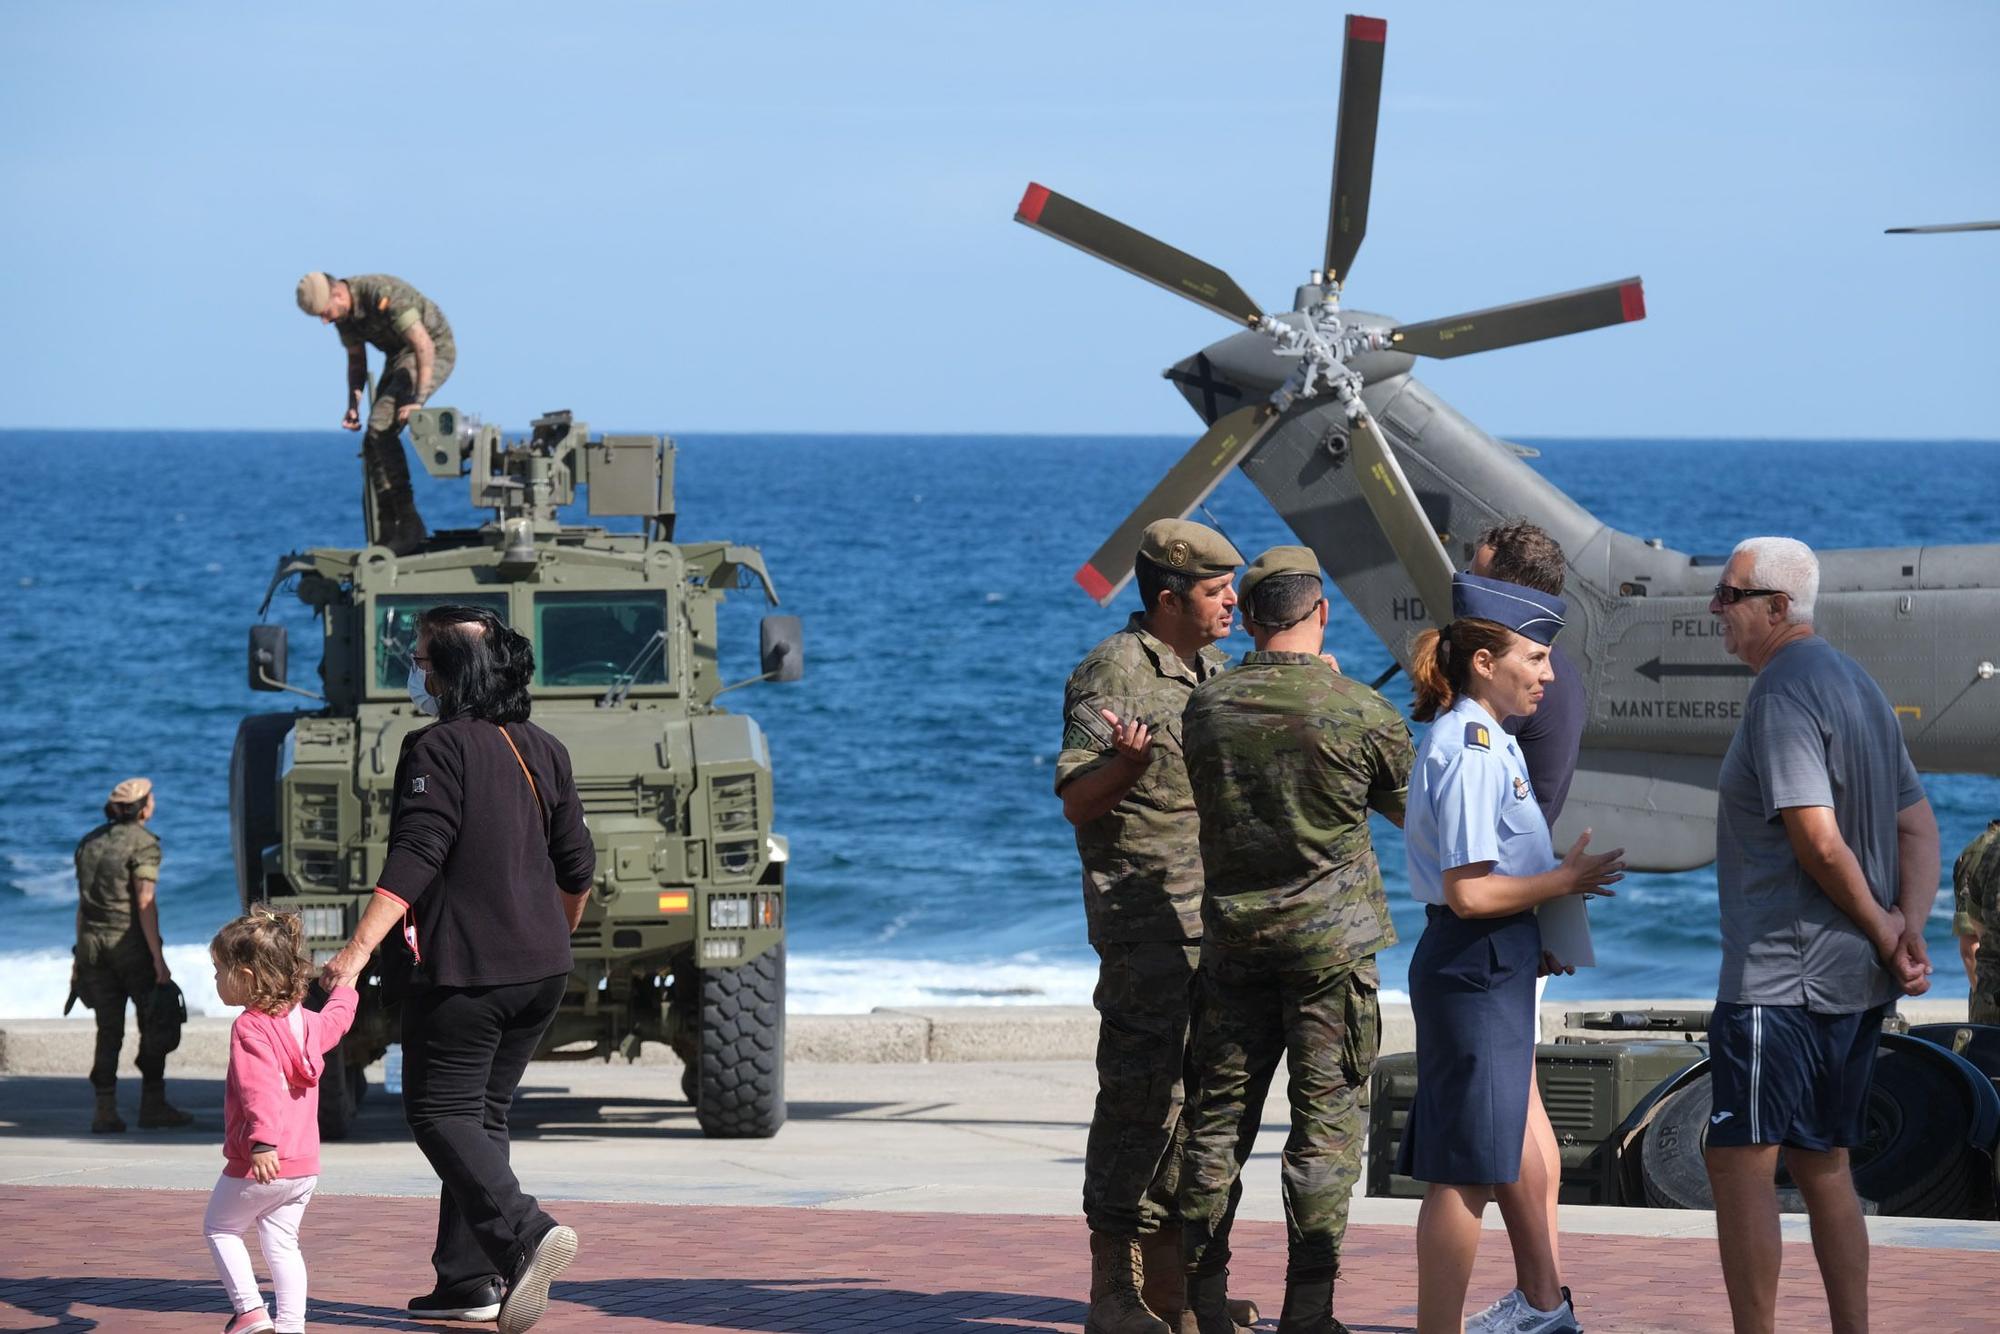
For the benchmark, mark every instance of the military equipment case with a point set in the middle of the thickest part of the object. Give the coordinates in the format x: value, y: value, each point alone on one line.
x: 1590, y: 1089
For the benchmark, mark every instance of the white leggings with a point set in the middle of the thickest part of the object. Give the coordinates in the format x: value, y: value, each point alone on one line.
x: 276, y: 1207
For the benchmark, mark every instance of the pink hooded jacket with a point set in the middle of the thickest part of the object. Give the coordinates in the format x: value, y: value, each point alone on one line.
x: 272, y: 1095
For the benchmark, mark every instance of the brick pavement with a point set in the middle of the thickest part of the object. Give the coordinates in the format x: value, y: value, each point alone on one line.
x: 133, y: 1260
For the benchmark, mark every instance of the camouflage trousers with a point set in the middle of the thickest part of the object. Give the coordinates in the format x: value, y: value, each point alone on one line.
x: 1148, y: 1009
x: 109, y: 975
x: 389, y: 505
x: 1985, y: 1002
x: 1326, y: 1023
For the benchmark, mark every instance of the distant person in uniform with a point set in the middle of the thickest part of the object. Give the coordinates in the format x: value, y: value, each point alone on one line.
x: 1480, y: 860
x: 416, y: 343
x: 1516, y: 551
x: 1826, y: 859
x: 1975, y: 883
x: 1286, y: 758
x: 119, y: 958
x: 1124, y: 786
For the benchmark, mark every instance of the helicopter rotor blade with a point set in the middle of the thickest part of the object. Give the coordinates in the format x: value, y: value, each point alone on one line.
x: 1524, y: 321
x: 1354, y: 141
x: 1136, y: 253
x: 1400, y: 517
x: 1185, y: 486
x: 1944, y: 227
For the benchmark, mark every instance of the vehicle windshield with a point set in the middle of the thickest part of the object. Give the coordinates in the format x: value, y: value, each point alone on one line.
x: 600, y: 639
x: 396, y: 628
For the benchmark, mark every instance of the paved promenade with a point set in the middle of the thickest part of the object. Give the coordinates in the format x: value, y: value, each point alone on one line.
x: 927, y: 1197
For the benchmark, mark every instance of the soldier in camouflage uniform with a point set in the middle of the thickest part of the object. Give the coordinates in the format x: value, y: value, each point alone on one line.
x: 1286, y: 758
x: 1975, y: 882
x: 416, y: 343
x: 1125, y: 789
x: 118, y: 953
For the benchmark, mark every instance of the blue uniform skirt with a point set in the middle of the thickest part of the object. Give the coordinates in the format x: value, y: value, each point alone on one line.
x: 1472, y: 989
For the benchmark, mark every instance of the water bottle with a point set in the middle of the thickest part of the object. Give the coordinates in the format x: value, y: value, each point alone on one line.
x: 392, y: 1069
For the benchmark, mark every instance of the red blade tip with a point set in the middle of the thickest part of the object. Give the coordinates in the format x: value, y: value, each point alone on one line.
x: 1093, y: 583
x: 1361, y: 28
x: 1632, y: 302
x: 1032, y: 202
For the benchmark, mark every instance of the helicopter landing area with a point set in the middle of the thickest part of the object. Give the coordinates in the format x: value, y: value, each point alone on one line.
x: 938, y: 1196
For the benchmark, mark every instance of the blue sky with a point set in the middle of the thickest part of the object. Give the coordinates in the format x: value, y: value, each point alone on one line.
x: 797, y: 217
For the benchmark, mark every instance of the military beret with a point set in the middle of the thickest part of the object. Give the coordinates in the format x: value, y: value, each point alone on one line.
x: 1278, y: 560
x: 1190, y: 548
x: 131, y: 790
x: 1528, y: 612
x: 314, y: 292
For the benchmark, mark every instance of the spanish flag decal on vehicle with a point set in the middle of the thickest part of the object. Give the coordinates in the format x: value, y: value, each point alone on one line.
x: 677, y: 902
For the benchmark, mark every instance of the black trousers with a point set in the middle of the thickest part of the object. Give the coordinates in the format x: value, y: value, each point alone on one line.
x: 464, y: 1052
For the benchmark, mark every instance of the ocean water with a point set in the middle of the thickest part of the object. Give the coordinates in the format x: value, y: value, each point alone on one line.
x: 931, y: 864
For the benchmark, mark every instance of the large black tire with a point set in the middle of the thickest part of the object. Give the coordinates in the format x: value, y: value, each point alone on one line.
x: 1913, y: 1161
x: 253, y: 798
x: 740, y: 1079
x: 339, y: 1096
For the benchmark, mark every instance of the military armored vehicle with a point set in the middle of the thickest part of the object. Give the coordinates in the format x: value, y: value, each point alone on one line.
x: 683, y: 941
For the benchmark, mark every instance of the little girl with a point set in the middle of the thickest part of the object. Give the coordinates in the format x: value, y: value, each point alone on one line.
x: 270, y: 1145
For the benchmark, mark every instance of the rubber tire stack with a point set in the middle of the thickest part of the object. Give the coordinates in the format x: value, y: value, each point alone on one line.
x: 740, y: 1080
x: 1914, y: 1162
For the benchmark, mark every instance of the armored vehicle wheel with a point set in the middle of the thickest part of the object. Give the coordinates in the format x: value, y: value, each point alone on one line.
x: 1914, y: 1159
x: 339, y: 1095
x: 739, y: 1083
x: 253, y: 798
x: 690, y: 1086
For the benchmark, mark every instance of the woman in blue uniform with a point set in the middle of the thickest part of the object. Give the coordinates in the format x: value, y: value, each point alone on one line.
x: 1480, y: 860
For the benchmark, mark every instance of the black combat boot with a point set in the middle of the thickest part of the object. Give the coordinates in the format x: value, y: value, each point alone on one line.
x: 155, y: 1112
x: 1309, y: 1308
x: 107, y: 1121
x: 392, y: 504
x: 1209, y: 1310
x: 1165, y: 1289
x: 1115, y: 1306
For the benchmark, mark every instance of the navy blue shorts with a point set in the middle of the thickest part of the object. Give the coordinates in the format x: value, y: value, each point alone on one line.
x: 1785, y: 1075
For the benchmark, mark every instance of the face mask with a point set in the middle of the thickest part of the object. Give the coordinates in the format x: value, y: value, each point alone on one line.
x: 420, y: 694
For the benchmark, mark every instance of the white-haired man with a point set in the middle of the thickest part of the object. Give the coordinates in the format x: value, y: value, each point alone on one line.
x: 1826, y: 867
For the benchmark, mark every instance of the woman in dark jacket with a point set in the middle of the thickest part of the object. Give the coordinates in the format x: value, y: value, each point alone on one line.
x: 488, y: 868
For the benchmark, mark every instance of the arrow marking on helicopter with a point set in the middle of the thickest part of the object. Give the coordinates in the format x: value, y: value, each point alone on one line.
x: 1656, y: 669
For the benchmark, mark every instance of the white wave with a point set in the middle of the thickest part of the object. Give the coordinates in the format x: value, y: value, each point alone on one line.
x: 34, y: 983
x: 49, y: 877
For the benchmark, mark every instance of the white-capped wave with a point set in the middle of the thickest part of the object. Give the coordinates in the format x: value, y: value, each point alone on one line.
x: 34, y: 983
x: 48, y: 877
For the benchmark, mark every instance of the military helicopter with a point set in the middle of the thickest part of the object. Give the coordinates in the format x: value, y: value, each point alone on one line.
x: 1389, y: 486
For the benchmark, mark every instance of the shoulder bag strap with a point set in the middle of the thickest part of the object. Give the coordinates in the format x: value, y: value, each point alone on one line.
x: 540, y: 809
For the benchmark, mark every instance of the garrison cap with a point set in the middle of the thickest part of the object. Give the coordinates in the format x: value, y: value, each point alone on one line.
x: 1526, y: 611
x: 1278, y: 560
x: 131, y: 790
x: 314, y: 292
x: 1189, y: 548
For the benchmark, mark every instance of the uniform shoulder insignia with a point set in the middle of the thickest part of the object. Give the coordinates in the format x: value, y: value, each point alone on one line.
x: 1478, y: 737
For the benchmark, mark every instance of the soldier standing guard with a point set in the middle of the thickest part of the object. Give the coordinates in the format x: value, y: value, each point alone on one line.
x: 419, y: 353
x: 118, y: 953
x: 1286, y: 757
x: 1975, y: 881
x: 1124, y: 787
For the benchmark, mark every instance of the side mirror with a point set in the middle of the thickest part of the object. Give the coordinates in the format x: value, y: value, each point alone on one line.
x: 267, y: 657
x: 781, y: 648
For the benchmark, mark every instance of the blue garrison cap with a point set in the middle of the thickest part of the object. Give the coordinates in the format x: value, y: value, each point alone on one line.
x: 1526, y: 611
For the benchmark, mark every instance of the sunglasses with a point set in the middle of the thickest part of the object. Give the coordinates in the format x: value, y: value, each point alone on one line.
x: 1728, y: 595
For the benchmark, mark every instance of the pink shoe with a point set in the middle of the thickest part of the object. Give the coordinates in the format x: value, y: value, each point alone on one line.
x: 249, y: 1322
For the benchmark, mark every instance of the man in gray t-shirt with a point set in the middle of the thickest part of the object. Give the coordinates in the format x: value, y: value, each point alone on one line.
x: 1826, y: 868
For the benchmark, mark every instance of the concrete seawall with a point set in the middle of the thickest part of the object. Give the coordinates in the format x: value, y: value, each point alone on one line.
x: 945, y: 1034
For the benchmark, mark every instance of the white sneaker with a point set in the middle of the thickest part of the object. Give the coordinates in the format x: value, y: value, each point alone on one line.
x: 1515, y: 1314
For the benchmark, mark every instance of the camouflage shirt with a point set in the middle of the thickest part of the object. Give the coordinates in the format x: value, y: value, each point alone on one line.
x: 1975, y: 883
x: 1287, y: 757
x: 384, y: 309
x: 108, y: 860
x: 1141, y: 861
